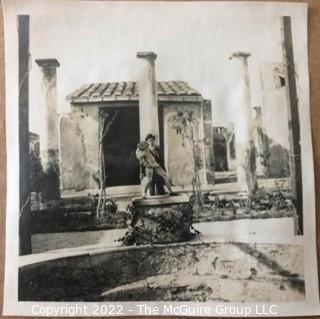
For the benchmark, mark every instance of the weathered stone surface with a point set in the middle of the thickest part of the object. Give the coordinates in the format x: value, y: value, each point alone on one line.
x: 251, y: 274
x: 204, y: 288
x: 148, y: 102
x: 79, y: 134
x: 209, y: 158
x: 245, y: 151
x: 162, y: 220
x: 79, y: 142
x: 49, y: 135
x: 278, y: 131
x: 178, y: 153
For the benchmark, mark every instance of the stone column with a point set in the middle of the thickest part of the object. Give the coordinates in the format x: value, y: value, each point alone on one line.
x: 49, y: 140
x: 148, y: 103
x: 209, y: 163
x: 245, y: 150
x: 260, y: 142
x: 49, y: 143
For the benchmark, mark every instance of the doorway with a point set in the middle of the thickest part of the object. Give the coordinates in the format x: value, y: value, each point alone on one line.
x: 119, y: 147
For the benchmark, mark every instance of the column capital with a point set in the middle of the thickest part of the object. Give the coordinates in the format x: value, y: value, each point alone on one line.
x: 240, y: 54
x: 146, y: 55
x: 48, y: 63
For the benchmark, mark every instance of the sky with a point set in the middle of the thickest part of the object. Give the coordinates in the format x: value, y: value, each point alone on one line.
x: 97, y: 41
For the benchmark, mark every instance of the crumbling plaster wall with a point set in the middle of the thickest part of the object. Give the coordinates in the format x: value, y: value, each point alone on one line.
x: 79, y: 145
x: 178, y: 152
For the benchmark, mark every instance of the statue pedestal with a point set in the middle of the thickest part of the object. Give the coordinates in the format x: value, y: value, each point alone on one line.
x: 159, y: 220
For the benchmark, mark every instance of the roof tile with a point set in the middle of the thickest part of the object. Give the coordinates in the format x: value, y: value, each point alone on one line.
x: 129, y: 90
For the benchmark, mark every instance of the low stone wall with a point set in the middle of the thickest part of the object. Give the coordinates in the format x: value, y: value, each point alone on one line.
x: 75, y: 275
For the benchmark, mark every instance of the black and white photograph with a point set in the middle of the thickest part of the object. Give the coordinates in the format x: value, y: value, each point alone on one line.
x: 159, y: 152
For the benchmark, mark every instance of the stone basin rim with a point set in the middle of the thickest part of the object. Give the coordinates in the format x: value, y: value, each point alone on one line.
x: 89, y: 251
x: 26, y: 261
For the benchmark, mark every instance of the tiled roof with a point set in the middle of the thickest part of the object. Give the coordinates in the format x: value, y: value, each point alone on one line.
x: 128, y: 91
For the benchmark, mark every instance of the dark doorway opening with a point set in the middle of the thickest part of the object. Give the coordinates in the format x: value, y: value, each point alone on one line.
x: 119, y: 147
x: 220, y: 153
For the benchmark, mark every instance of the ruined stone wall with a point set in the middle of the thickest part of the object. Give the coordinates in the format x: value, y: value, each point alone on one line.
x: 79, y: 144
x: 274, y: 108
x: 178, y: 151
